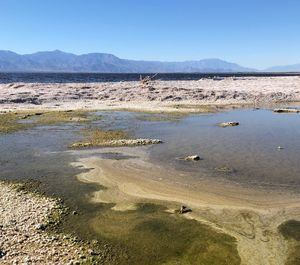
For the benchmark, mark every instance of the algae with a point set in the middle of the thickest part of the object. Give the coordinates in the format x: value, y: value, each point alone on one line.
x: 291, y: 232
x: 151, y: 236
x: 10, y: 122
x: 16, y: 121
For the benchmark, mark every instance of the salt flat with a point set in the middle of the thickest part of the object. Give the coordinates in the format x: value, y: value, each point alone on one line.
x: 158, y: 95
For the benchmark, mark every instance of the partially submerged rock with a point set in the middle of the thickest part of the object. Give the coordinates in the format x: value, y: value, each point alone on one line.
x: 119, y: 142
x: 133, y: 142
x: 229, y: 124
x: 81, y: 145
x: 286, y: 110
x: 192, y: 158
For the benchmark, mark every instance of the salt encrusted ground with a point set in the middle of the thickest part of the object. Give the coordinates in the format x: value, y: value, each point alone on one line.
x: 157, y: 95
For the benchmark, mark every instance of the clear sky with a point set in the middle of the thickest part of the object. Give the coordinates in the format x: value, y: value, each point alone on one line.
x: 253, y: 33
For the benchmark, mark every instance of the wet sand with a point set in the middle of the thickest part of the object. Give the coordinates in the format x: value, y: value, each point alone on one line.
x: 252, y: 216
x: 155, y: 96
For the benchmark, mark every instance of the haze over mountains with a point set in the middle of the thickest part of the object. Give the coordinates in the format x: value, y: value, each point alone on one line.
x: 285, y: 68
x: 58, y: 61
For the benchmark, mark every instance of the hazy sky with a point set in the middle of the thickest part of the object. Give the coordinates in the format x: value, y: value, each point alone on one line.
x: 254, y: 33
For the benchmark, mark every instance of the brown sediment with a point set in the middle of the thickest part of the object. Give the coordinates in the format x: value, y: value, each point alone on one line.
x: 251, y: 216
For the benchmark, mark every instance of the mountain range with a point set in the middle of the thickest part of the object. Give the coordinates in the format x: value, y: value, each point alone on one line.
x: 58, y: 61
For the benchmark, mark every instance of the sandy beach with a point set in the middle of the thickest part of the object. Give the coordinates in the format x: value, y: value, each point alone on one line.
x: 157, y: 95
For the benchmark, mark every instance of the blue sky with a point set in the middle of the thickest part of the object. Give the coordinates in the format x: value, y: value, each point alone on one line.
x: 254, y: 33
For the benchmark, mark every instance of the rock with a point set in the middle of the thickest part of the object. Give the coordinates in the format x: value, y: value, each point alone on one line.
x: 2, y: 253
x: 40, y: 226
x: 229, y: 124
x: 184, y: 209
x: 92, y: 252
x: 77, y: 145
x: 74, y: 213
x: 286, y: 110
x: 192, y: 157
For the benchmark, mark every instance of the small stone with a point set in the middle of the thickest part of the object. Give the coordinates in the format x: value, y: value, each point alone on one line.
x: 2, y: 253
x: 192, y: 157
x: 40, y: 226
x: 184, y: 209
x: 92, y: 252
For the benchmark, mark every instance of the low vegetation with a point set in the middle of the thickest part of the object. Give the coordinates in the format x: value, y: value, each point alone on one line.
x: 55, y: 117
x: 99, y: 137
x: 16, y: 121
x: 11, y: 122
x: 194, y: 108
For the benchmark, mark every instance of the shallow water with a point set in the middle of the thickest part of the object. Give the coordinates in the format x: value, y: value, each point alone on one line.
x: 248, y: 153
x: 6, y: 78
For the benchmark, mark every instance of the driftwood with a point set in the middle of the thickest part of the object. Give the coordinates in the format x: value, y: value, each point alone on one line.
x: 147, y: 80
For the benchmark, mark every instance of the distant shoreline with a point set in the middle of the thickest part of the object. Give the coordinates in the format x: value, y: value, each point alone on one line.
x: 91, y: 77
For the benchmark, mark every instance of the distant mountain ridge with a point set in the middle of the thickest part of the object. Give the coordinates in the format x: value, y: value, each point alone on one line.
x: 58, y: 61
x: 285, y: 68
